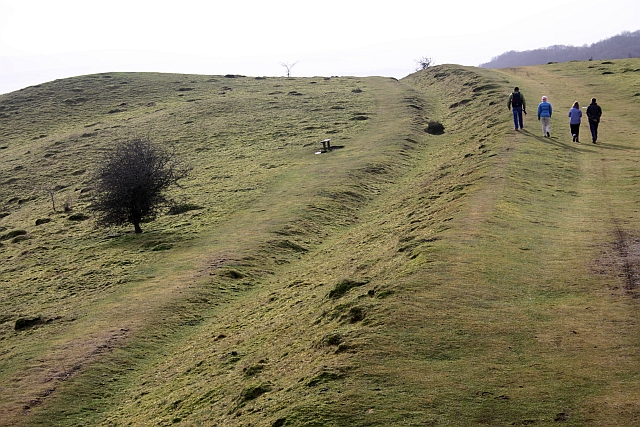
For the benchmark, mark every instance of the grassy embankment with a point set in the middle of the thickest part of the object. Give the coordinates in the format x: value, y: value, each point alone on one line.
x: 478, y: 277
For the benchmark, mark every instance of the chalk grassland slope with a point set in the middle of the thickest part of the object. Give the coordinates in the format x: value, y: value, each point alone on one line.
x: 463, y: 295
x: 555, y: 258
x: 250, y: 141
x: 106, y: 313
x: 478, y: 277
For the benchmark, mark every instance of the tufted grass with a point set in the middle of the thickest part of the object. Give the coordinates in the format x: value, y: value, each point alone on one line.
x: 478, y: 277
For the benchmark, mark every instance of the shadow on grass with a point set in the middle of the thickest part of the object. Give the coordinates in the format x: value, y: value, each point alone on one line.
x: 615, y: 146
x: 586, y: 147
x: 552, y: 141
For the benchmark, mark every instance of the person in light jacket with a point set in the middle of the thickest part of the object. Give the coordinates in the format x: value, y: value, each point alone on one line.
x: 545, y: 110
x: 575, y: 115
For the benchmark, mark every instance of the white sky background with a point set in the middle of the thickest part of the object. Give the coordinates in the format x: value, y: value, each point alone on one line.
x: 43, y: 40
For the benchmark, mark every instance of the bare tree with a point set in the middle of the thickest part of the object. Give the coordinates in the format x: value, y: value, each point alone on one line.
x: 51, y: 191
x: 132, y: 182
x: 424, y: 63
x: 288, y: 67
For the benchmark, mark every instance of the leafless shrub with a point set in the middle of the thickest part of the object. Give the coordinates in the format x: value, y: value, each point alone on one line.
x: 132, y: 182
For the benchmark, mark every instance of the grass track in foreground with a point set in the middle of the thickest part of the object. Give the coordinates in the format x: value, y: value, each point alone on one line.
x: 485, y: 270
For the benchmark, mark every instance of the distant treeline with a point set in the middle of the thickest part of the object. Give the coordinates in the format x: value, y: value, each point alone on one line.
x: 624, y: 45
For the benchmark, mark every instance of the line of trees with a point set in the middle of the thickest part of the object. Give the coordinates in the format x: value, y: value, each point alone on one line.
x: 623, y: 45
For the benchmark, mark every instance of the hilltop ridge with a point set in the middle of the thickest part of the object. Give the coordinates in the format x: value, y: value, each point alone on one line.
x: 474, y: 277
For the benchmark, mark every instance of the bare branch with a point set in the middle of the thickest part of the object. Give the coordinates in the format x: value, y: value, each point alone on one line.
x: 424, y: 63
x: 288, y: 66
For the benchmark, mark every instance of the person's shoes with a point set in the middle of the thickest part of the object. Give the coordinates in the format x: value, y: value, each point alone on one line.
x: 517, y: 129
x: 575, y: 138
x: 548, y: 135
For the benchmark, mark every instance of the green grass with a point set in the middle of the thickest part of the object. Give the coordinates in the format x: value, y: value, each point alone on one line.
x: 479, y: 277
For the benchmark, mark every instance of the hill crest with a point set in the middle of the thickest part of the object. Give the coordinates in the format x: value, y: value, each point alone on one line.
x: 406, y: 279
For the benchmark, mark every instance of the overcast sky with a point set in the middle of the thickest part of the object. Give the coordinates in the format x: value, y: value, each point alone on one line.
x: 43, y: 40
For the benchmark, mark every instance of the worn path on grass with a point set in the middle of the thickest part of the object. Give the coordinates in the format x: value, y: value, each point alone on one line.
x: 251, y: 240
x: 502, y: 286
x: 550, y: 282
x: 523, y: 308
x: 502, y: 267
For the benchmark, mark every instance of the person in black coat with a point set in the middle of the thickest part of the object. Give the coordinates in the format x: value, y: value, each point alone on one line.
x: 594, y: 112
x: 516, y: 100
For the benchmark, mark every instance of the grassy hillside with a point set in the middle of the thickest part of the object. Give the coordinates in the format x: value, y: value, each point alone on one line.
x: 482, y: 276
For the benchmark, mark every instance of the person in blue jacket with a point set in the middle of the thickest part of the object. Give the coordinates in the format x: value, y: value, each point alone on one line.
x: 544, y: 115
x: 575, y: 115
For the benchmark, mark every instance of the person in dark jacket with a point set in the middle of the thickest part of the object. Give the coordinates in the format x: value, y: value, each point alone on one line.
x: 593, y: 114
x: 518, y: 105
x: 575, y: 116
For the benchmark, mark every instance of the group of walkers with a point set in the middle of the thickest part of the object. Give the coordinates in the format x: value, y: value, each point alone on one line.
x: 518, y: 105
